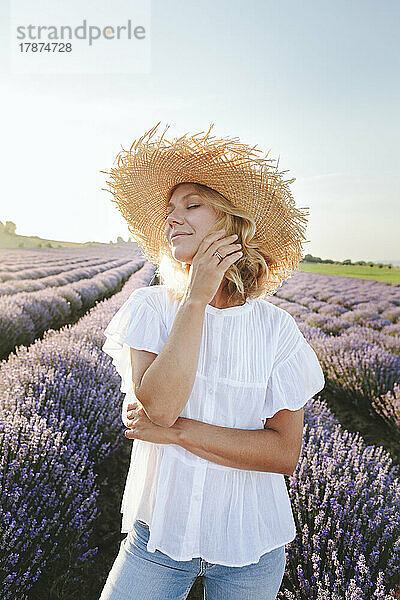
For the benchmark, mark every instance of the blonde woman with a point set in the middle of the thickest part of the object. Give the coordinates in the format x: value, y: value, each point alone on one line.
x: 215, y: 376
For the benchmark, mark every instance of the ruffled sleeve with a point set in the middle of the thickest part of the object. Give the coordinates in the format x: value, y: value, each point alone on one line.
x: 296, y: 374
x: 137, y: 324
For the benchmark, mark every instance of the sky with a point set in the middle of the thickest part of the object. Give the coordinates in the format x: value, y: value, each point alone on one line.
x: 314, y: 82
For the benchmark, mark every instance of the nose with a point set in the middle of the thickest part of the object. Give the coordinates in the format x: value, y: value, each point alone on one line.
x: 172, y: 220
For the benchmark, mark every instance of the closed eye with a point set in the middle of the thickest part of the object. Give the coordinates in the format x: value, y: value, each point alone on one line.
x: 193, y: 206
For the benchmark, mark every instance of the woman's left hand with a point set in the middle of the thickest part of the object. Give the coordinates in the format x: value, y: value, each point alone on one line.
x: 141, y: 428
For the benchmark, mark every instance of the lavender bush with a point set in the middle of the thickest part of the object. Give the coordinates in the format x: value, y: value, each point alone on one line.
x: 345, y: 498
x: 59, y: 417
x: 359, y: 351
x: 33, y: 280
x: 61, y: 299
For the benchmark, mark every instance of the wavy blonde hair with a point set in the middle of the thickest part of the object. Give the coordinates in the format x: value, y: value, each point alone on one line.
x: 247, y: 276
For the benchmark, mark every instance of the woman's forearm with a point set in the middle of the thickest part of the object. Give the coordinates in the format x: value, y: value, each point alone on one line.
x: 250, y: 449
x: 167, y: 384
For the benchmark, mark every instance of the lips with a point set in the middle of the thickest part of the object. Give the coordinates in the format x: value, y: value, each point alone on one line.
x: 176, y: 235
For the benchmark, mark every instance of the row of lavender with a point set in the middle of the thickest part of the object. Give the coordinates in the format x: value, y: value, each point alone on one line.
x: 345, y: 498
x: 33, y: 280
x: 354, y: 327
x: 18, y: 260
x: 61, y: 415
x: 25, y: 316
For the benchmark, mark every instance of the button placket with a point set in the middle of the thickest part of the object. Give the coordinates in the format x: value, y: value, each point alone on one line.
x: 215, y: 355
x: 200, y: 474
x: 213, y: 365
x: 197, y: 497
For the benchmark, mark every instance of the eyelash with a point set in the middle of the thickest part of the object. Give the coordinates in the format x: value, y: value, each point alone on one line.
x: 193, y: 206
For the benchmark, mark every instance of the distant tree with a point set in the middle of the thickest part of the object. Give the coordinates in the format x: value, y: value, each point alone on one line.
x: 129, y: 239
x: 10, y: 228
x: 347, y: 261
x: 21, y: 245
x: 39, y: 245
x: 119, y: 239
x: 371, y: 264
x: 2, y: 227
x: 313, y: 259
x: 329, y: 261
x: 48, y: 245
x: 110, y: 242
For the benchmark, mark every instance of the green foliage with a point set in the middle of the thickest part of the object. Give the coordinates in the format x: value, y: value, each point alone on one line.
x: 370, y: 271
x: 309, y: 258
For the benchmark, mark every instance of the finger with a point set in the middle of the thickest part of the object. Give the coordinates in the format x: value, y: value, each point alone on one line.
x: 129, y: 434
x: 210, y: 238
x: 228, y: 249
x: 226, y: 245
x: 229, y: 260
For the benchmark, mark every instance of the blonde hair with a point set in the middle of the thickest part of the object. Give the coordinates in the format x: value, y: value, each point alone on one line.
x: 246, y: 277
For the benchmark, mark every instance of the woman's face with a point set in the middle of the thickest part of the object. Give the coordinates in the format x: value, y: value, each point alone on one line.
x: 188, y: 213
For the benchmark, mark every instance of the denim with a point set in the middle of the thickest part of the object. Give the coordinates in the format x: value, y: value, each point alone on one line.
x: 141, y: 575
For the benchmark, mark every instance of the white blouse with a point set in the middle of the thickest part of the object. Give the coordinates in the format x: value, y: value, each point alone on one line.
x: 254, y: 361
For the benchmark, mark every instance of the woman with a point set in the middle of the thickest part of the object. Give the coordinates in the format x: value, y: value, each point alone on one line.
x: 211, y: 362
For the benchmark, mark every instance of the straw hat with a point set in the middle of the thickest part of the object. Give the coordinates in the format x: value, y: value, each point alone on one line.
x: 144, y: 175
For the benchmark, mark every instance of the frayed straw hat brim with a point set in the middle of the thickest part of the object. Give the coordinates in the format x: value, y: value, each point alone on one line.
x: 144, y: 175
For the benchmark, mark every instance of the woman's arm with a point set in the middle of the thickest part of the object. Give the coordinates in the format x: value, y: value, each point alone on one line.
x: 167, y: 383
x: 250, y: 449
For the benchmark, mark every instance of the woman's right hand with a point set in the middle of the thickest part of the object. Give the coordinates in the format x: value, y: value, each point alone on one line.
x: 207, y: 271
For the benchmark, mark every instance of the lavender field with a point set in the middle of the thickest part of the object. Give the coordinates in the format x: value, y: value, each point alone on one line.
x: 46, y: 289
x: 60, y: 415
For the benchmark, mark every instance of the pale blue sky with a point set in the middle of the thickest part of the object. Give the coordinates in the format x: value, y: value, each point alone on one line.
x: 316, y: 82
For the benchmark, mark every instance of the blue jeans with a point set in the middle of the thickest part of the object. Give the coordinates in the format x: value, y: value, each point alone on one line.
x: 141, y: 575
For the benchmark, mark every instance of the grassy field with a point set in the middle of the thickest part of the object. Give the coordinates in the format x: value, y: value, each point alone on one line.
x: 359, y: 271
x: 13, y: 241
